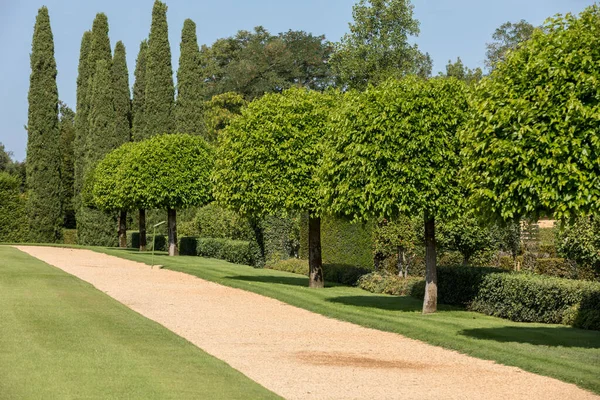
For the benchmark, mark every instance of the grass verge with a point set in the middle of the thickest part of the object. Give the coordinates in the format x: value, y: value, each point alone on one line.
x: 569, y: 354
x: 60, y: 338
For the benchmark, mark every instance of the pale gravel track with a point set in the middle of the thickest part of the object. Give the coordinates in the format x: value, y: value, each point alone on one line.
x: 296, y: 353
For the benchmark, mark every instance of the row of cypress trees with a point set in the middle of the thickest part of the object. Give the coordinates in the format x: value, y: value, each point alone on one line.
x: 106, y: 117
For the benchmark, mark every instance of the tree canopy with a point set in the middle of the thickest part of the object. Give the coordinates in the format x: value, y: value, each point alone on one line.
x: 532, y: 139
x: 188, y: 108
x: 507, y: 37
x: 255, y: 63
x: 378, y: 46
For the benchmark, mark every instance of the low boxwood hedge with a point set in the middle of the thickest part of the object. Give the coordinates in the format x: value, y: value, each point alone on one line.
x: 234, y: 251
x: 338, y: 273
x: 133, y: 241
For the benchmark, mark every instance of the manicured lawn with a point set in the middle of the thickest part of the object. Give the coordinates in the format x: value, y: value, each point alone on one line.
x: 60, y: 338
x: 565, y: 353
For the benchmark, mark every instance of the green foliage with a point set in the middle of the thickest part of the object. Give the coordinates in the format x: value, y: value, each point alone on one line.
x: 468, y: 236
x: 166, y: 171
x: 390, y: 150
x: 159, y: 99
x: 531, y: 298
x: 234, y: 251
x: 268, y: 156
x: 139, y: 94
x: 219, y: 111
x: 392, y: 284
x: 81, y: 118
x: 188, y: 107
x: 396, y: 239
x: 378, y: 45
x: 121, y: 95
x: 558, y: 267
x: 67, y: 159
x: 255, y: 63
x: 531, y: 140
x: 44, y: 205
x: 281, y: 236
x: 212, y: 221
x: 293, y: 265
x: 13, y: 217
x: 507, y: 38
x: 346, y: 243
x: 133, y: 241
x: 100, y: 48
x: 580, y: 241
x: 338, y: 273
x: 70, y: 236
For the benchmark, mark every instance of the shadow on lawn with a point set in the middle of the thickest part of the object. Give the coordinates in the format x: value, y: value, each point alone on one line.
x: 382, y: 302
x: 282, y: 280
x: 539, y: 336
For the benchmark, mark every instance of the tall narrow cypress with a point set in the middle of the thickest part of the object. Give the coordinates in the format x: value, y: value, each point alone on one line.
x: 188, y: 107
x: 139, y: 94
x: 138, y: 121
x: 67, y: 138
x: 160, y: 92
x: 81, y: 118
x: 43, y: 154
x: 122, y: 106
x: 93, y: 226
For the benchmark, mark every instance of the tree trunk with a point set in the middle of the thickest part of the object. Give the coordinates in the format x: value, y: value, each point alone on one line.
x: 173, y: 249
x: 466, y: 260
x: 123, y: 229
x: 430, y: 300
x: 142, y: 229
x: 402, y: 264
x: 315, y: 262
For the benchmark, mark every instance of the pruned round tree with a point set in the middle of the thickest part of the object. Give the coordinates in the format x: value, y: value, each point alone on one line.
x: 167, y: 171
x: 533, y: 142
x: 267, y: 161
x: 394, y: 150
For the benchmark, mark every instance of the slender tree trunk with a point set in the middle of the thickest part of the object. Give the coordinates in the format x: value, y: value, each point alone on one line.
x: 430, y: 300
x: 466, y: 260
x: 123, y: 229
x: 142, y: 229
x: 173, y: 248
x: 402, y: 264
x: 315, y: 262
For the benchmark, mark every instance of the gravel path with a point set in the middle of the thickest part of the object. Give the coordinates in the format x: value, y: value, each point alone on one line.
x: 296, y: 353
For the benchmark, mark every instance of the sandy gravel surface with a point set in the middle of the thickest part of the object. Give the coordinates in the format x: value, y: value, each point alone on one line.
x: 296, y: 353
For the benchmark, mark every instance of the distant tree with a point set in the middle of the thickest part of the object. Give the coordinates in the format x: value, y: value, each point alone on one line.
x: 267, y: 161
x: 122, y: 106
x: 67, y: 157
x: 219, y: 112
x: 167, y: 171
x: 459, y: 71
x: 468, y: 236
x: 394, y: 150
x: 160, y: 93
x: 5, y: 159
x: 188, y: 108
x: 255, y: 63
x: 507, y: 38
x: 138, y: 129
x: 531, y: 142
x: 378, y: 46
x: 44, y: 203
x: 139, y: 94
x: 81, y: 118
x: 397, y: 237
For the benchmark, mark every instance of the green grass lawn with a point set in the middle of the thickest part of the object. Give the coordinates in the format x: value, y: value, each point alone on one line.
x: 565, y: 353
x: 60, y: 338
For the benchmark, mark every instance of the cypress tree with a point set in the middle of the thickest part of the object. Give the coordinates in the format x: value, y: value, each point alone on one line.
x: 188, y: 108
x: 139, y: 93
x: 81, y: 118
x: 44, y: 209
x: 160, y: 92
x: 122, y: 106
x: 67, y: 137
x: 97, y: 228
x: 138, y: 124
x: 94, y: 227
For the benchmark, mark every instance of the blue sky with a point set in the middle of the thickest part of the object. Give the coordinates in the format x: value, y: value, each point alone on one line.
x: 449, y: 28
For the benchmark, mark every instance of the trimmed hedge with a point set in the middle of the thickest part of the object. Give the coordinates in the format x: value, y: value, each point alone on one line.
x: 188, y: 246
x: 341, y: 242
x: 532, y: 298
x: 234, y: 251
x: 133, y: 241
x: 390, y: 284
x: 558, y: 267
